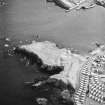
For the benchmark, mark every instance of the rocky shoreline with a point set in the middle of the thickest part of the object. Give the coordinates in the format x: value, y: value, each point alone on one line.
x: 63, y: 67
x: 77, y: 4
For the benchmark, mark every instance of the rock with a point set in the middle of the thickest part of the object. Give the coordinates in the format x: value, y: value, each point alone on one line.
x: 6, y: 45
x: 35, y: 59
x: 37, y: 84
x: 41, y: 101
x: 100, y: 2
x: 70, y: 5
x: 7, y: 39
x: 66, y: 94
x: 52, y: 59
x: 59, y: 87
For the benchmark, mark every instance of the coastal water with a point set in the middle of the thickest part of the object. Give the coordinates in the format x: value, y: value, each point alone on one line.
x: 77, y: 28
x: 22, y: 20
x: 13, y: 74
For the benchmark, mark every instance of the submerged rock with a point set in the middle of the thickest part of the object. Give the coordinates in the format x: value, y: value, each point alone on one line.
x: 41, y: 101
x: 6, y: 45
x: 8, y: 39
x: 65, y: 94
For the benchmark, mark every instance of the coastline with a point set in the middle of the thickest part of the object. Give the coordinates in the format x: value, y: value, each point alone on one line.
x: 72, y: 30
x: 74, y: 64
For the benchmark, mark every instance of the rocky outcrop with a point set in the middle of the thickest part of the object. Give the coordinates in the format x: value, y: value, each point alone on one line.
x: 74, y: 4
x: 33, y: 58
x: 52, y: 59
x: 70, y: 5
x: 71, y: 73
x: 100, y: 2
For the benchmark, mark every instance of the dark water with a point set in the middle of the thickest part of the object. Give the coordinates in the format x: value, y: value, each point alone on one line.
x: 13, y: 74
x: 22, y: 19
